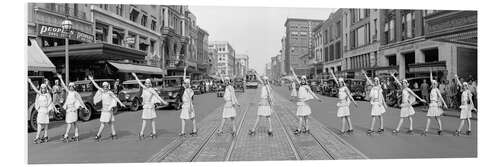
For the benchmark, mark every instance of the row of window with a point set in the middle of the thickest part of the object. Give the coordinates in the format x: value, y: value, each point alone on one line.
x: 360, y: 36
x: 134, y: 15
x: 360, y: 61
x: 118, y: 38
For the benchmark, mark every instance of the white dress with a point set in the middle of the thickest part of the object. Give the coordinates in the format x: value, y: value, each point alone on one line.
x: 343, y: 104
x: 466, y: 106
x: 43, y: 104
x: 406, y: 105
x: 73, y: 102
x: 434, y: 107
x: 376, y: 101
x: 303, y: 95
x: 294, y: 90
x: 187, y: 111
x: 229, y: 111
x: 264, y: 108
x: 108, y: 102
x: 149, y: 99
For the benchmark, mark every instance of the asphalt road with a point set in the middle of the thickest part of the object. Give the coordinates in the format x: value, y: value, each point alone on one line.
x: 127, y: 148
x: 401, y: 146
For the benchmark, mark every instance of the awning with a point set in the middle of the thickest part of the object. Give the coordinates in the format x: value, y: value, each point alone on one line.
x: 129, y: 68
x: 37, y: 60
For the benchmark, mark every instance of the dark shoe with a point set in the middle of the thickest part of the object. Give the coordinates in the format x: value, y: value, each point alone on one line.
x: 457, y: 133
x: 75, y: 138
x: 233, y: 133
x: 439, y: 132
x: 343, y: 133
x: 36, y: 140
x: 410, y: 132
x: 154, y: 135
x: 270, y: 133
x: 45, y: 139
x: 425, y: 133
x: 306, y: 131
x: 194, y: 133
x: 65, y: 139
x: 251, y: 132
x: 182, y: 134
x: 113, y: 137
x: 350, y: 132
x: 97, y: 138
x: 468, y: 133
x: 369, y: 132
x: 395, y: 132
x: 296, y: 131
x: 380, y: 131
x: 141, y: 137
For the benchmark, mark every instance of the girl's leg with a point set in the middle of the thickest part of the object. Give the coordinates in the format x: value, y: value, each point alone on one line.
x: 112, y: 124
x: 381, y: 122
x: 427, y: 125
x: 153, y: 126
x: 411, y: 123
x: 233, y: 121
x: 461, y: 125
x: 46, y: 131
x: 343, y: 124
x: 401, y: 120
x: 301, y: 119
x: 255, y: 124
x: 76, y: 129
x: 143, y: 126
x: 349, y: 122
x: 194, y: 125
x: 38, y: 130
x: 469, y: 125
x: 68, y: 127
x: 270, y: 125
x: 183, y: 126
x: 373, y: 123
x: 439, y: 123
x: 221, y: 125
x: 100, y: 129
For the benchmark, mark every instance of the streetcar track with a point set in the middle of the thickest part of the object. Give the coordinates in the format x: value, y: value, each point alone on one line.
x: 312, y: 135
x: 289, y: 139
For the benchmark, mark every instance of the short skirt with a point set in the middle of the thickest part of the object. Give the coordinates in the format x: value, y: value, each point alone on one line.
x: 71, y: 115
x: 187, y: 112
x: 228, y: 111
x: 343, y: 109
x: 377, y: 109
x: 294, y: 93
x: 42, y: 116
x: 264, y: 110
x: 434, y: 110
x: 406, y: 111
x: 303, y: 109
x: 107, y: 116
x: 465, y: 112
x: 148, y: 112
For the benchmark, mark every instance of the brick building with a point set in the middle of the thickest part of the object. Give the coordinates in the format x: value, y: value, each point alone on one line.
x: 298, y: 41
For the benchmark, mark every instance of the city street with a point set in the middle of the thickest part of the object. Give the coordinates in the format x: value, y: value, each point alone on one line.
x: 322, y: 144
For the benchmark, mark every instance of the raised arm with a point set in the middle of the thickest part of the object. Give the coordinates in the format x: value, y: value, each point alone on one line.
x: 442, y: 100
x: 138, y: 81
x: 416, y: 96
x: 396, y: 79
x: 95, y: 84
x: 334, y: 78
x: 458, y: 81
x: 184, y: 75
x: 62, y: 82
x: 294, y: 75
x: 33, y: 87
x: 350, y: 97
x: 366, y: 76
x: 431, y: 76
x: 258, y: 78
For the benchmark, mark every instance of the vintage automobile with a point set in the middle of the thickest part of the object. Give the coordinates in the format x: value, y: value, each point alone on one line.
x: 357, y: 88
x: 171, y: 91
x: 196, y: 86
x: 330, y: 89
x: 87, y: 91
x: 32, y: 113
x: 130, y: 95
x: 251, y: 81
x: 239, y: 84
x: 393, y: 97
x: 315, y: 85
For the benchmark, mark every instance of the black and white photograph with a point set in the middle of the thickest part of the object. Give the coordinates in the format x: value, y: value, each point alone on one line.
x: 174, y: 82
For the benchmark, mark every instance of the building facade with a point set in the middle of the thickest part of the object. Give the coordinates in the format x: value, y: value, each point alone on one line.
x: 298, y: 41
x: 328, y: 51
x: 241, y: 65
x: 225, y: 58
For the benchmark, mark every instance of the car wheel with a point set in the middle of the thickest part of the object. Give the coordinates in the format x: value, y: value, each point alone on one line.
x: 135, y: 105
x: 32, y: 125
x: 85, y: 114
x: 61, y: 115
x: 178, y: 107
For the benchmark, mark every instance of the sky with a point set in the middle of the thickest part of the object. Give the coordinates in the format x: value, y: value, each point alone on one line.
x: 255, y: 31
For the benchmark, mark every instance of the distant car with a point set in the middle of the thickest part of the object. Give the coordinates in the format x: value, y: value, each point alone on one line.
x: 87, y: 91
x: 330, y: 89
x: 239, y: 84
x: 172, y: 89
x: 32, y: 112
x: 315, y: 85
x: 251, y: 81
x: 357, y: 88
x: 130, y: 95
x: 196, y: 85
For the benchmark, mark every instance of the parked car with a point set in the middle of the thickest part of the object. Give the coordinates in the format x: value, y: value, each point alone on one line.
x: 357, y: 88
x: 197, y: 86
x: 32, y: 112
x: 239, y: 84
x: 130, y: 95
x: 87, y: 91
x: 330, y: 89
x: 172, y: 89
x: 315, y: 85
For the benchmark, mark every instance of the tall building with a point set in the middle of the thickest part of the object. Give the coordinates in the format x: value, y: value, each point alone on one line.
x: 282, y: 56
x: 298, y: 42
x: 242, y: 65
x: 328, y: 45
x: 225, y: 57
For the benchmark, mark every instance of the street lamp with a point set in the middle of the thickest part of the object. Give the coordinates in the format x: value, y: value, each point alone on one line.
x: 66, y: 26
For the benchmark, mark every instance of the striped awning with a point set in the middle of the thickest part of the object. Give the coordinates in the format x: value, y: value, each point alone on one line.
x: 37, y: 60
x: 466, y: 38
x: 129, y: 68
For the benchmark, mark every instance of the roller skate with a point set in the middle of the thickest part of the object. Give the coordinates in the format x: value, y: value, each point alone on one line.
x: 306, y: 131
x: 36, y: 141
x: 395, y: 132
x: 154, y: 135
x: 380, y: 131
x: 45, y: 139
x: 97, y: 138
x: 350, y: 132
x: 439, y: 132
x: 75, y: 138
x: 296, y: 132
x: 141, y: 137
x: 251, y: 132
x: 457, y: 133
x: 410, y: 132
x: 424, y: 134
x: 468, y: 133
x: 113, y: 137
x: 370, y: 132
x: 270, y: 133
x: 194, y: 133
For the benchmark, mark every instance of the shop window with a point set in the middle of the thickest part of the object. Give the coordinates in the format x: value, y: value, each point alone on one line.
x: 409, y: 59
x: 431, y: 55
x: 152, y: 47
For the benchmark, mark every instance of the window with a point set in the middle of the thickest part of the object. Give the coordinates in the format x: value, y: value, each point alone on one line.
x: 386, y: 32
x: 144, y: 20
x: 375, y: 30
x: 134, y: 14
x: 391, y: 30
x: 338, y: 26
x: 119, y: 9
x: 431, y: 55
x: 391, y: 59
x: 153, y: 25
x: 105, y: 7
x: 152, y: 46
